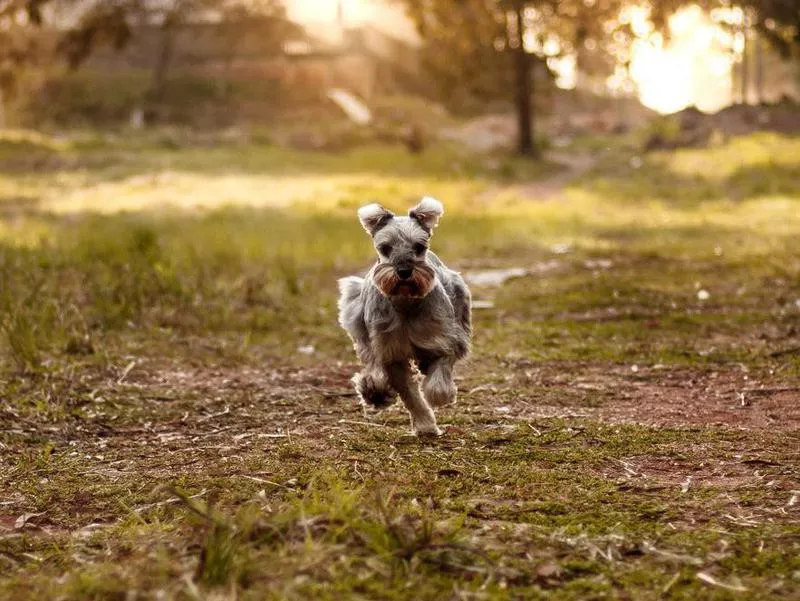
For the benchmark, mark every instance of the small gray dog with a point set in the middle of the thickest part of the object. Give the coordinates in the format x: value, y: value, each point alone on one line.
x: 410, y: 310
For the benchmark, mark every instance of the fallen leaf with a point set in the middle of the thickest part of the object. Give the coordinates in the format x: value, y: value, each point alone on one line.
x: 709, y: 579
x: 23, y: 520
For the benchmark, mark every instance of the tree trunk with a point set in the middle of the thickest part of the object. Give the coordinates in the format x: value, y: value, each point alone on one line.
x: 524, y: 87
x: 744, y: 70
x: 231, y: 42
x: 759, y: 58
x: 164, y: 58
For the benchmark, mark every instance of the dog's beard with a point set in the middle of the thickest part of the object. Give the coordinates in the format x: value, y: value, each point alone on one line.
x: 417, y: 286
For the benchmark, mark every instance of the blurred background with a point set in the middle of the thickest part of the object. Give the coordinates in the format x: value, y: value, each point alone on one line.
x: 271, y: 65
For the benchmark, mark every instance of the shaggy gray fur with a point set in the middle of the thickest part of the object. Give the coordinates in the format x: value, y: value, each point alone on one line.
x: 409, y: 311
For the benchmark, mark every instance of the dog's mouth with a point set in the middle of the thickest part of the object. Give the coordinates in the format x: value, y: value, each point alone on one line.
x: 406, y: 288
x: 418, y: 285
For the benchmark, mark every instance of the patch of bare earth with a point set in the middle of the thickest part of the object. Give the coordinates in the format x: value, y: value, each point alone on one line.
x: 168, y: 419
x: 571, y: 167
x: 654, y: 396
x: 188, y: 419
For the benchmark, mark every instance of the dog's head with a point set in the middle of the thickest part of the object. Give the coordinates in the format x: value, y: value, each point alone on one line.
x: 402, y: 246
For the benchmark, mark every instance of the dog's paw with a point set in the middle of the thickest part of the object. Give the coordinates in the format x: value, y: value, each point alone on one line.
x: 441, y: 396
x: 373, y: 394
x: 427, y: 430
x: 378, y: 400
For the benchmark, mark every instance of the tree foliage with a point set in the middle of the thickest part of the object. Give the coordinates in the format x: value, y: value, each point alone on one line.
x: 469, y: 43
x: 779, y: 22
x: 499, y: 49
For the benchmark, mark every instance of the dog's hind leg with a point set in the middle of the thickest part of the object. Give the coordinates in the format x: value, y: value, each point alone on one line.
x: 438, y: 386
x: 401, y: 378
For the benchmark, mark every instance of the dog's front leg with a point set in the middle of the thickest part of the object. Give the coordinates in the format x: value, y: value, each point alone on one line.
x: 438, y: 387
x: 373, y: 388
x: 423, y: 421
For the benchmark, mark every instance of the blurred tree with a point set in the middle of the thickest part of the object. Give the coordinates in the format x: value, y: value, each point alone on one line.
x: 27, y: 39
x: 499, y: 49
x: 38, y: 34
x: 22, y: 46
x: 115, y: 22
x: 778, y: 21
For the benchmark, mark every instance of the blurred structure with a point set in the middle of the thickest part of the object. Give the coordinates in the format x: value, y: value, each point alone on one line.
x: 559, y: 68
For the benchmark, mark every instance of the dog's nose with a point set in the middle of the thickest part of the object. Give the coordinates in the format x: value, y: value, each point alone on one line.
x: 405, y: 272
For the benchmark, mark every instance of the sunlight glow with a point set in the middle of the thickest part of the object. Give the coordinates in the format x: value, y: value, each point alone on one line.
x: 321, y: 16
x: 355, y: 11
x: 693, y: 68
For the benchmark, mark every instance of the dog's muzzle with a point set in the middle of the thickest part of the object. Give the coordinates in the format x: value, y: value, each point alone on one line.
x: 411, y: 282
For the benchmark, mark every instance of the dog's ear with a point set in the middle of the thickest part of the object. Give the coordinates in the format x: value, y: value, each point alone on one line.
x: 373, y: 217
x: 427, y: 213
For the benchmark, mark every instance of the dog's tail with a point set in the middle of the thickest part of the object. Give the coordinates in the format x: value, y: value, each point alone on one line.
x: 350, y: 288
x: 349, y: 291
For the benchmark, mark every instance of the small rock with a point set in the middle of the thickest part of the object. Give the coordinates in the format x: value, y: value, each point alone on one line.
x: 482, y: 304
x: 494, y: 277
x: 548, y: 571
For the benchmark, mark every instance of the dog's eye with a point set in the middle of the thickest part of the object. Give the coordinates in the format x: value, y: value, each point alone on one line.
x: 420, y: 248
x: 385, y: 249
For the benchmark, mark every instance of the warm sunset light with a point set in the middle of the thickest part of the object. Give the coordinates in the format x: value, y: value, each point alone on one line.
x: 692, y: 68
x: 353, y: 11
x: 388, y: 17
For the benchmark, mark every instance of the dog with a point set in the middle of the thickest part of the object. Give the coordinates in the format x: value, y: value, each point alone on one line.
x: 409, y: 314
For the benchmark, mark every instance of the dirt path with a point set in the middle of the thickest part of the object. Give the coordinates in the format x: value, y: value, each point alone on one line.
x: 572, y: 166
x: 182, y: 417
x: 317, y: 401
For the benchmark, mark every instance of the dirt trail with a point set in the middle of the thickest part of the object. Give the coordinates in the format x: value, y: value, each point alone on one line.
x: 191, y: 414
x: 318, y: 401
x: 572, y: 166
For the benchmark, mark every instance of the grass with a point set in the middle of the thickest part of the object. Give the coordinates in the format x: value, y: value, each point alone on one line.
x: 175, y: 411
